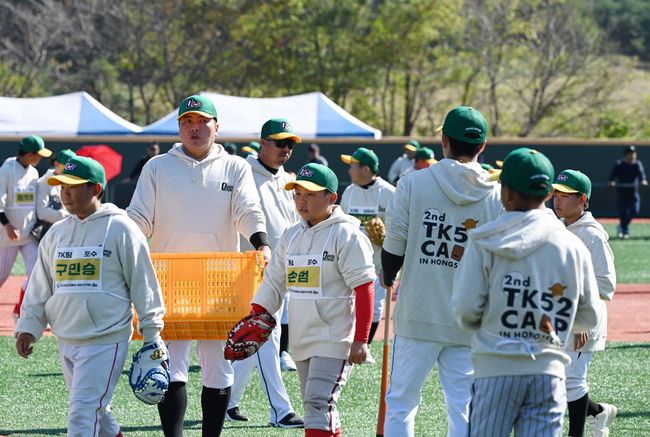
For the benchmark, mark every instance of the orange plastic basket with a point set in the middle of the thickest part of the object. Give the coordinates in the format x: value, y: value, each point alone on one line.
x: 205, y: 294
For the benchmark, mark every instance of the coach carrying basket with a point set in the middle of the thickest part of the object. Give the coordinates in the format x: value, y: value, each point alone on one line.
x: 205, y: 294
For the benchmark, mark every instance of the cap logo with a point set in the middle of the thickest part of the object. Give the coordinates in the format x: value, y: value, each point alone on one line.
x: 473, y: 129
x: 286, y: 126
x: 306, y: 172
x: 562, y: 177
x: 540, y: 176
x: 70, y: 166
x: 191, y: 103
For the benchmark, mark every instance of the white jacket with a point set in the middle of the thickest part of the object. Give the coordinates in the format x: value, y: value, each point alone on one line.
x: 377, y: 195
x: 524, y: 286
x: 186, y: 205
x: 48, y: 200
x: 18, y: 183
x: 321, y: 327
x: 95, y: 317
x: 277, y: 203
x: 398, y: 167
x: 427, y: 222
x: 594, y: 236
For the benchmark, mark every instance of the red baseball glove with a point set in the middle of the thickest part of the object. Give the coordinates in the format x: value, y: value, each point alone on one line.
x: 248, y: 335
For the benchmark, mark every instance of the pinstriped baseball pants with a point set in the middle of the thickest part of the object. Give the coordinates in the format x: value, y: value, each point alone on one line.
x: 533, y: 405
x: 8, y: 255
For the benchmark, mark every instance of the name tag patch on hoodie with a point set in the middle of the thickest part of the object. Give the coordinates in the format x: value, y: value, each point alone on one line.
x: 78, y: 267
x: 443, y: 241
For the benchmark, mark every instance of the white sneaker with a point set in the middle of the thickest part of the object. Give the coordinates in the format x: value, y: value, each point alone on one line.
x: 286, y: 362
x: 599, y: 424
x: 369, y: 359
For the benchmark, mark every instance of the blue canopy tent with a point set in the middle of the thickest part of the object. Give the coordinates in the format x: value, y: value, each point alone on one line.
x: 312, y: 115
x: 72, y: 114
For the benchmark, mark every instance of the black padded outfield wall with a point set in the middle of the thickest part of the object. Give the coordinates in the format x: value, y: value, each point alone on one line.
x: 595, y: 158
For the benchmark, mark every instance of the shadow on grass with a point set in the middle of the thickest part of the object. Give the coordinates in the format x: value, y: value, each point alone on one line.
x: 189, y: 424
x: 631, y: 414
x: 47, y: 375
x: 611, y: 346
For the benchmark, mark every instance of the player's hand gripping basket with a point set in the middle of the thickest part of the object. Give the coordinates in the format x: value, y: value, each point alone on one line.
x: 205, y: 294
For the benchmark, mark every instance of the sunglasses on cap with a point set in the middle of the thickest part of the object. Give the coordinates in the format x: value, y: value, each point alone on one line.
x: 287, y: 142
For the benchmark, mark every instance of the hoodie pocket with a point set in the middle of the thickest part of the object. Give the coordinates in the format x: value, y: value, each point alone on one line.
x: 69, y: 316
x: 339, y: 317
x: 307, y: 326
x: 183, y: 241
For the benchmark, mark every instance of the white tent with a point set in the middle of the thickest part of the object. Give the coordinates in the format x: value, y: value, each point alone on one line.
x: 312, y: 115
x: 65, y: 115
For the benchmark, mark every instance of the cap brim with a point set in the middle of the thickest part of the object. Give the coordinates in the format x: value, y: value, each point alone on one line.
x: 564, y: 189
x: 349, y: 159
x: 309, y: 186
x: 45, y: 153
x: 438, y: 129
x: 247, y: 149
x: 201, y: 113
x: 410, y: 147
x: 285, y: 135
x: 66, y: 179
x: 495, y: 175
x: 499, y: 163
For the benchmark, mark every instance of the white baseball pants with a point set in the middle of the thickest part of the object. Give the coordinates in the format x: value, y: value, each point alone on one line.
x: 91, y: 373
x: 216, y: 371
x: 29, y: 252
x: 411, y: 362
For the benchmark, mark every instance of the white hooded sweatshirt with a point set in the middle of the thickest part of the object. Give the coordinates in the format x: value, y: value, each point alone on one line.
x: 99, y: 310
x: 321, y: 325
x: 427, y: 221
x: 186, y: 205
x: 276, y: 202
x: 594, y: 236
x: 17, y: 200
x: 524, y: 286
x: 366, y: 203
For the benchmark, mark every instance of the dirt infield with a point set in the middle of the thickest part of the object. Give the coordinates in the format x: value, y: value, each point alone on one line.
x: 628, y: 320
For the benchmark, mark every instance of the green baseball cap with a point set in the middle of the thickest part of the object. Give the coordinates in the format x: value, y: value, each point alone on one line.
x: 279, y: 129
x: 528, y: 171
x: 315, y: 177
x: 80, y: 170
x: 363, y: 156
x: 63, y: 156
x: 197, y: 104
x: 412, y: 145
x: 573, y: 181
x: 464, y: 123
x: 425, y: 154
x: 487, y: 166
x: 34, y: 144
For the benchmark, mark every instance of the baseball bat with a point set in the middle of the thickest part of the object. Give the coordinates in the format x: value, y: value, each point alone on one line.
x: 381, y: 414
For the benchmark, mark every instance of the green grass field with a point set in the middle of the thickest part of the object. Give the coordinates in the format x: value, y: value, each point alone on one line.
x: 33, y: 397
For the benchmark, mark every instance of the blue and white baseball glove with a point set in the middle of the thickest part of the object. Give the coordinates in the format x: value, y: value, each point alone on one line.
x: 149, y: 374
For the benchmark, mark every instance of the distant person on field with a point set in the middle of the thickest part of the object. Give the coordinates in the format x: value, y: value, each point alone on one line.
x: 250, y: 149
x: 627, y: 174
x: 314, y: 155
x: 424, y: 158
x: 152, y: 150
x: 404, y: 162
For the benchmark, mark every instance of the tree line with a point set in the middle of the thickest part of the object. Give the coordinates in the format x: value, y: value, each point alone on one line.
x: 534, y: 67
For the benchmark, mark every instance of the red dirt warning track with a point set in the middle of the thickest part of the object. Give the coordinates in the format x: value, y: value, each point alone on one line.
x: 628, y: 312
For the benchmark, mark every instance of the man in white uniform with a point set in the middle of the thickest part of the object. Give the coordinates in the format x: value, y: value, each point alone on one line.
x: 197, y: 198
x: 428, y: 219
x: 276, y: 146
x: 366, y: 198
x: 18, y: 179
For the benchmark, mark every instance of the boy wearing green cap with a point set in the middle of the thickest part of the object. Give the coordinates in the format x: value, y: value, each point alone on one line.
x: 427, y: 222
x: 198, y: 198
x: 366, y: 198
x: 92, y: 267
x: 570, y: 201
x: 18, y: 180
x: 525, y: 284
x: 404, y: 162
x: 325, y: 263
